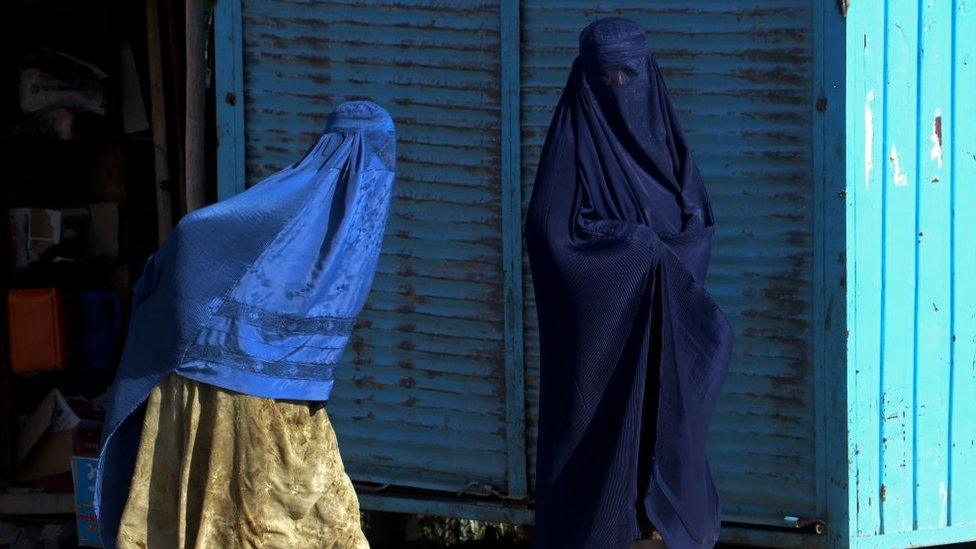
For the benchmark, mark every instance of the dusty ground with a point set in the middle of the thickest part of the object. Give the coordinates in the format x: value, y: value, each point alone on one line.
x: 393, y: 531
x: 386, y: 531
x: 389, y: 531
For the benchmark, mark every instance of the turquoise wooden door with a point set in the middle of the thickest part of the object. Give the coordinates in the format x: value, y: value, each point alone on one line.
x: 911, y: 170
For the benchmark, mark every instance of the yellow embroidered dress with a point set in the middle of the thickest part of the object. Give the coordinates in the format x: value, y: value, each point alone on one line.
x: 226, y: 470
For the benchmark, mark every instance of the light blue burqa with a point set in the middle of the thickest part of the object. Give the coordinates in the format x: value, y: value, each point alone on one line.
x: 259, y: 293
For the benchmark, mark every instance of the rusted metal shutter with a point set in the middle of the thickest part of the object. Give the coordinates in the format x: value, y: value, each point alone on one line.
x: 422, y: 398
x: 420, y: 401
x: 740, y: 75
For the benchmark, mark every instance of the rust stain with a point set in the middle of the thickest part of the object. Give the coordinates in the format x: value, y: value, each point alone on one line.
x: 325, y: 41
x: 772, y: 95
x: 358, y: 345
x: 784, y: 116
x: 410, y: 296
x: 781, y: 137
x: 843, y: 6
x: 407, y: 382
x: 797, y: 238
x: 935, y: 155
x: 406, y: 345
x: 780, y: 75
x: 793, y: 56
x: 785, y: 298
x: 306, y: 60
x: 802, y: 366
x: 784, y: 401
x: 367, y: 417
x: 797, y: 343
x: 406, y: 289
x: 782, y: 318
x: 781, y: 156
x: 406, y: 270
x: 367, y: 381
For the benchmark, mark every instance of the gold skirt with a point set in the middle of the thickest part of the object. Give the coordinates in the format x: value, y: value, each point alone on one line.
x: 221, y: 469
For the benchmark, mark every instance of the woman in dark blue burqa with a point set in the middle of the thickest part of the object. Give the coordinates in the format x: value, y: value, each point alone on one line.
x: 634, y: 349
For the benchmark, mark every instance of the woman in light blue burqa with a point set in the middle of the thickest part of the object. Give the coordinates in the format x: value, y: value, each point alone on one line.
x: 216, y: 436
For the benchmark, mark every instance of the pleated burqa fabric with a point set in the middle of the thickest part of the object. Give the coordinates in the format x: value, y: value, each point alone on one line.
x: 634, y: 350
x: 257, y: 294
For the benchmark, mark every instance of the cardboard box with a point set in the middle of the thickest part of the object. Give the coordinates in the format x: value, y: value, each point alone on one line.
x: 32, y: 232
x: 58, y: 429
x: 83, y: 472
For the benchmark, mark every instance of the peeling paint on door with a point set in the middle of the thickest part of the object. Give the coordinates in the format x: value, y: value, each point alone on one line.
x: 935, y: 154
x: 898, y: 176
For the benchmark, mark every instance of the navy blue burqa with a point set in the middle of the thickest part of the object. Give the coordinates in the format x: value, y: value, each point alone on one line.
x: 634, y: 349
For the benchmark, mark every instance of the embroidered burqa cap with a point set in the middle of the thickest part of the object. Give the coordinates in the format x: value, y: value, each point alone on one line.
x: 258, y: 293
x: 633, y: 348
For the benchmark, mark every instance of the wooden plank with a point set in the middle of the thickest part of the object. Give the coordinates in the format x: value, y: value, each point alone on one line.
x: 962, y: 143
x: 898, y: 277
x: 229, y: 83
x: 196, y: 109
x: 933, y: 303
x: 157, y: 101
x: 172, y: 20
x: 865, y: 98
x: 512, y: 247
x: 830, y: 331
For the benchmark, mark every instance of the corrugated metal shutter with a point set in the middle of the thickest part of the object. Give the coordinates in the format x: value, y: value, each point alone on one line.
x: 739, y: 72
x: 421, y: 396
x: 421, y: 401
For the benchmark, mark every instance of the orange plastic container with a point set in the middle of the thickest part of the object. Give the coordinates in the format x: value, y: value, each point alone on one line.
x: 35, y: 319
